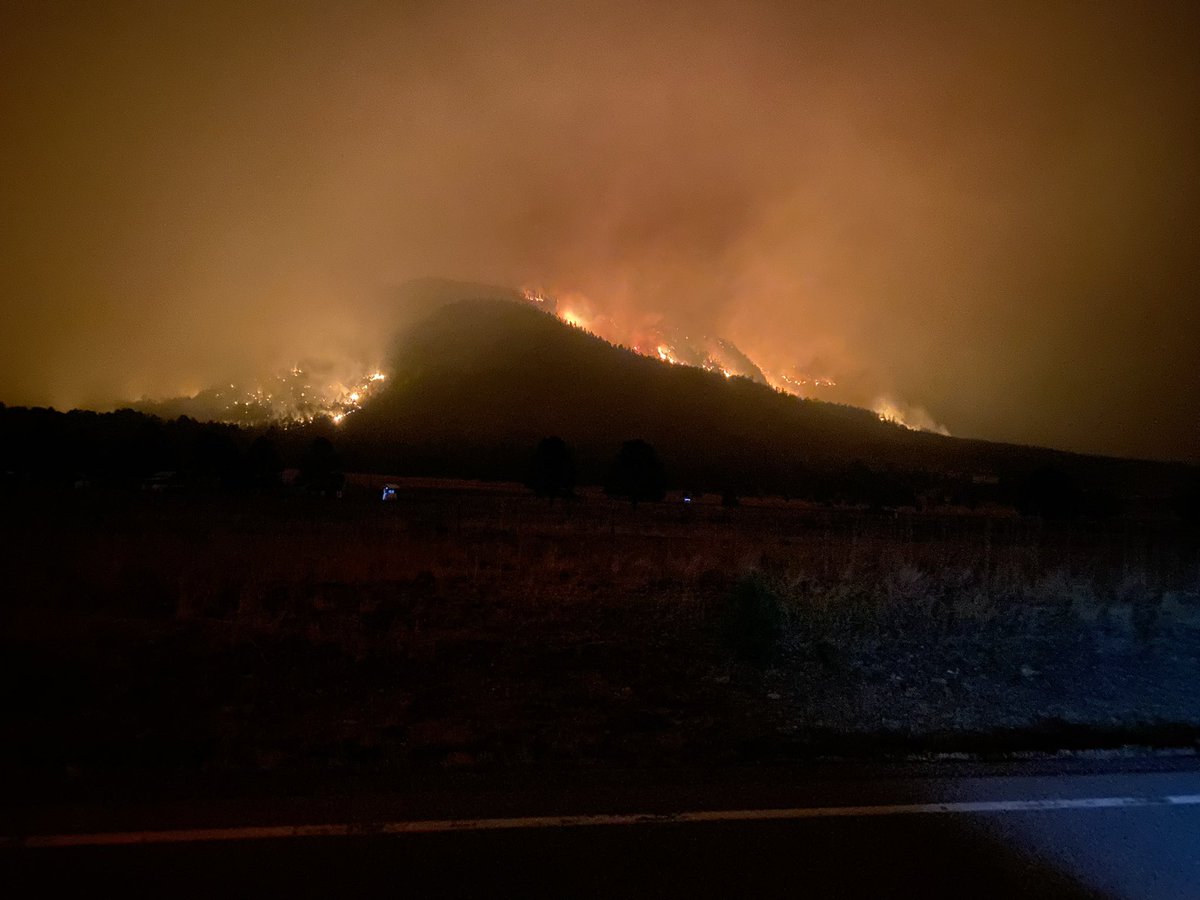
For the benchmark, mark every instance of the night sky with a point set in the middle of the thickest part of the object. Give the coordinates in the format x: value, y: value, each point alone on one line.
x: 987, y: 210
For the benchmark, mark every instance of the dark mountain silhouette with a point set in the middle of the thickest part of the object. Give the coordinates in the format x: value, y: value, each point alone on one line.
x: 482, y: 376
x: 478, y: 383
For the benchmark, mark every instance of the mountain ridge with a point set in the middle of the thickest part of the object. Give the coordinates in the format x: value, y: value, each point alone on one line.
x: 485, y: 379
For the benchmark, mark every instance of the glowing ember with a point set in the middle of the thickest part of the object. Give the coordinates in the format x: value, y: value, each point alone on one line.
x: 294, y: 397
x: 799, y: 385
x: 540, y: 300
x: 532, y: 296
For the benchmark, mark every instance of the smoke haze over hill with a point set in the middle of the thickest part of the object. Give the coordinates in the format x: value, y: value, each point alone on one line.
x: 987, y: 213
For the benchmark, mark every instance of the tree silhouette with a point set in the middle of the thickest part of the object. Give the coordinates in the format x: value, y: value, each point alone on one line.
x: 263, y: 464
x: 321, y: 468
x: 214, y: 457
x: 636, y: 474
x: 553, y: 472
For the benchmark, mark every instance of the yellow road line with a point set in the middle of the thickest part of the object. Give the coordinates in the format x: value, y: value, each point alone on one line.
x: 432, y: 826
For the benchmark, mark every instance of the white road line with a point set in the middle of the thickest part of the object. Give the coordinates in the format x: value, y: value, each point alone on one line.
x: 430, y: 826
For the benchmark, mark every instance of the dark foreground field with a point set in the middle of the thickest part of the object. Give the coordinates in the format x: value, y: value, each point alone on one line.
x: 471, y: 627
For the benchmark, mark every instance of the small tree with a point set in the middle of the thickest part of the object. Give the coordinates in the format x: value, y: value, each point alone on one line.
x: 636, y: 474
x: 752, y: 623
x: 553, y: 473
x: 264, y: 467
x: 214, y: 457
x: 321, y: 468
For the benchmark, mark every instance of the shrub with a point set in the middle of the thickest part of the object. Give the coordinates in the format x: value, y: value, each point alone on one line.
x: 552, y: 471
x: 753, y: 619
x: 636, y: 474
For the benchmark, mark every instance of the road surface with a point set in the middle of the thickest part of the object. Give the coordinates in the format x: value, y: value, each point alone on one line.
x: 831, y: 833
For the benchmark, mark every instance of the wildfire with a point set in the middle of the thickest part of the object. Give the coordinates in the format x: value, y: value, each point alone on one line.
x: 532, y: 296
x: 351, y: 398
x: 714, y: 354
x: 540, y: 300
x: 798, y: 384
x: 914, y: 418
x: 295, y: 396
x: 573, y: 319
x: 656, y: 341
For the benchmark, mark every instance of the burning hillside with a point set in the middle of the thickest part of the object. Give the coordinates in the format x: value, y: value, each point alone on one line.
x: 300, y: 395
x: 314, y: 390
x: 660, y: 339
x: 691, y: 347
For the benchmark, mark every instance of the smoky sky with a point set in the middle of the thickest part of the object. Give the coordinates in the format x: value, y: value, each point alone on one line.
x: 987, y: 210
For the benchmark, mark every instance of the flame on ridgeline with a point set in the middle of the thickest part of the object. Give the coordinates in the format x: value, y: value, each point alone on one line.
x: 312, y: 391
x: 675, y: 346
x: 914, y: 418
x: 714, y: 354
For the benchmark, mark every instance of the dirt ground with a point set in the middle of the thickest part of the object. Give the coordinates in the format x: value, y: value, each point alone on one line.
x: 474, y: 626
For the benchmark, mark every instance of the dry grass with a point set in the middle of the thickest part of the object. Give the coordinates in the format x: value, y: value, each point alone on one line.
x: 496, y: 626
x: 268, y: 565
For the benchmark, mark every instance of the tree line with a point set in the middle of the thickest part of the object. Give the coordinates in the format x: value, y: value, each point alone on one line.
x: 128, y: 448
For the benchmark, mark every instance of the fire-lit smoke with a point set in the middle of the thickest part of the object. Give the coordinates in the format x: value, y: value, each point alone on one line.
x: 912, y: 417
x: 675, y: 343
x: 671, y: 345
x: 302, y: 394
x: 988, y: 210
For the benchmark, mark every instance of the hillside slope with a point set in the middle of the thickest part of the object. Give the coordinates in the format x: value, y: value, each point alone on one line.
x: 477, y: 383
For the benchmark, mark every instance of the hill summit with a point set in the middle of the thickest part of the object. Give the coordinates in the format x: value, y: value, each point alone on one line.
x: 485, y: 377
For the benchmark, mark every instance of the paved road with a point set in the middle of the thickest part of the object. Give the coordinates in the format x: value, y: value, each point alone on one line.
x: 1123, y: 834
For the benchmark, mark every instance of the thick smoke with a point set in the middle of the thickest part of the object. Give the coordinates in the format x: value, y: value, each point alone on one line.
x: 989, y: 212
